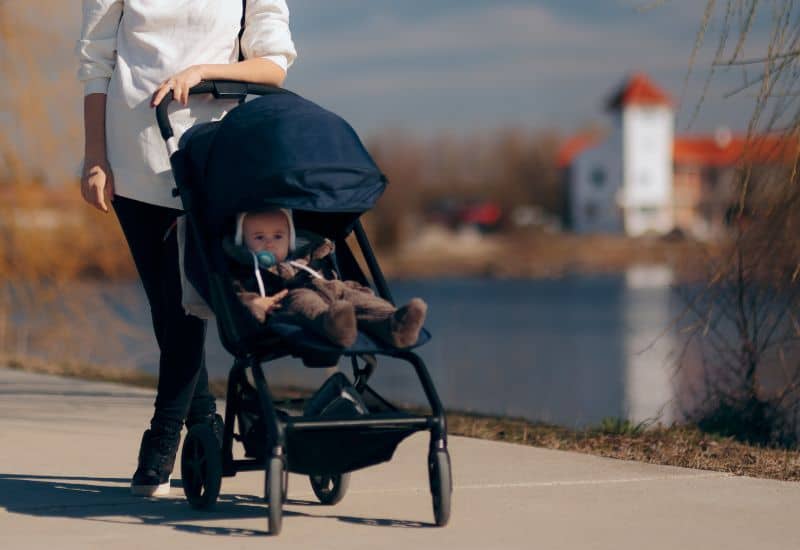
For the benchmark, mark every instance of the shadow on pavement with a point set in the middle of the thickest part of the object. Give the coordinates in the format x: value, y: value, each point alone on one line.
x: 109, y: 500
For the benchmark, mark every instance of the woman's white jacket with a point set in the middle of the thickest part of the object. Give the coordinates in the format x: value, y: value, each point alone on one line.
x: 128, y: 47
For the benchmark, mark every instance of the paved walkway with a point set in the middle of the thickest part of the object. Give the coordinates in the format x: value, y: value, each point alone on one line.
x: 67, y: 448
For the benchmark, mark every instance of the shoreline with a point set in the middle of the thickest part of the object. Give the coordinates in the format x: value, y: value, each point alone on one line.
x: 538, y: 255
x: 679, y: 445
x: 430, y: 252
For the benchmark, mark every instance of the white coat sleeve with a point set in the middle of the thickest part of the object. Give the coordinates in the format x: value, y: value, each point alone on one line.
x: 97, y: 47
x: 266, y: 32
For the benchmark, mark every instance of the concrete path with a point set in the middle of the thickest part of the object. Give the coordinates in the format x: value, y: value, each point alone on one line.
x: 68, y: 447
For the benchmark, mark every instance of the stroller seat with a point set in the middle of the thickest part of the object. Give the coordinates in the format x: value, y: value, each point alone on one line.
x: 279, y: 335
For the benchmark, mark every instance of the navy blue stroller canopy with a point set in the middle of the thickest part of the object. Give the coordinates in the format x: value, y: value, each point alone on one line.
x: 281, y: 150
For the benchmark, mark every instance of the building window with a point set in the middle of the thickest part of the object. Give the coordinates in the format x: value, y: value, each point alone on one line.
x: 648, y: 211
x: 598, y: 176
x: 648, y: 113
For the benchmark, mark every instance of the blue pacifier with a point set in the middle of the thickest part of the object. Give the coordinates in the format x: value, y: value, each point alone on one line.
x: 266, y: 259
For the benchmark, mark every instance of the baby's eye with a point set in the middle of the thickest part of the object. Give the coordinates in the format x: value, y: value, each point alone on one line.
x: 260, y: 238
x: 278, y: 237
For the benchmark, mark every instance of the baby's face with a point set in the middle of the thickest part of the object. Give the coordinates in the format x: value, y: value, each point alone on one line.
x: 267, y: 231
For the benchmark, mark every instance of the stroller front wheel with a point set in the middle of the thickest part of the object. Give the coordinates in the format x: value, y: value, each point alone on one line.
x: 274, y: 494
x: 330, y: 489
x: 201, y: 467
x: 284, y: 489
x: 441, y: 481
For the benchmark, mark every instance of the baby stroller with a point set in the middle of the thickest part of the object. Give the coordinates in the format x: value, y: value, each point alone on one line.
x: 280, y: 150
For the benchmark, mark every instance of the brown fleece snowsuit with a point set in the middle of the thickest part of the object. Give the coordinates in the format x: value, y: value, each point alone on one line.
x: 328, y: 306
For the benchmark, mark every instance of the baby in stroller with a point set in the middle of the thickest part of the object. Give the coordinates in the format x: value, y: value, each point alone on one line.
x: 273, y: 275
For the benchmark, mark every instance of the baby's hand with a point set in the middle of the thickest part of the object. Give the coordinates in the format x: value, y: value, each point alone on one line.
x: 270, y: 303
x: 261, y: 306
x: 322, y: 250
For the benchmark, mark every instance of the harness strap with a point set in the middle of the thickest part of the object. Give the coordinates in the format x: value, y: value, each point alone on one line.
x: 261, y: 289
x: 306, y: 268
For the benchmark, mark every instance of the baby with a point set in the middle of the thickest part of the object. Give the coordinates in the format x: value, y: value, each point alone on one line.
x: 300, y: 284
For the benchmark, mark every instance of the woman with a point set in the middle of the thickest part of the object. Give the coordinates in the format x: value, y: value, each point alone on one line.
x: 132, y: 53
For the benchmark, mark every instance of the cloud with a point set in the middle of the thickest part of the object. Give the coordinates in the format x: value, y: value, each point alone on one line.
x: 501, y: 45
x: 547, y: 59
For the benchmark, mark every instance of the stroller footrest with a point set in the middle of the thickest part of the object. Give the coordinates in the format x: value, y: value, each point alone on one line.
x: 325, y: 422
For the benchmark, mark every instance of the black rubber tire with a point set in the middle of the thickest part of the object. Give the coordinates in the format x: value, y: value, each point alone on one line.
x: 285, y: 486
x: 201, y: 467
x: 330, y: 489
x: 274, y: 494
x: 441, y: 481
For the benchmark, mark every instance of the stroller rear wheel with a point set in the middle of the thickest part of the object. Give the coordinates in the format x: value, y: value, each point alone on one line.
x: 441, y: 482
x: 274, y: 493
x: 330, y: 489
x: 201, y: 467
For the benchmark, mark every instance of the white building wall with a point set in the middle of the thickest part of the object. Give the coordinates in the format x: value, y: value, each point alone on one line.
x: 648, y: 140
x: 595, y: 182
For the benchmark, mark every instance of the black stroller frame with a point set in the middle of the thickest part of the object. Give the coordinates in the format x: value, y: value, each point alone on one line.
x: 294, y: 443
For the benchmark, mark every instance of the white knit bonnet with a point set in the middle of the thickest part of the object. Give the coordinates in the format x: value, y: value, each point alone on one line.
x: 239, y: 236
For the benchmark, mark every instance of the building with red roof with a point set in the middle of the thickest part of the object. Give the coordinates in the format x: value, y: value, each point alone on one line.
x: 638, y: 90
x: 641, y: 178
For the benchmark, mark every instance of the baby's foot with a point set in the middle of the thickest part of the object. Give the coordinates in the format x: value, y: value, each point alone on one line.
x: 339, y: 324
x: 407, y: 322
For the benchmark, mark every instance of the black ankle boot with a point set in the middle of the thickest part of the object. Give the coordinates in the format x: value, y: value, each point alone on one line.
x: 156, y: 460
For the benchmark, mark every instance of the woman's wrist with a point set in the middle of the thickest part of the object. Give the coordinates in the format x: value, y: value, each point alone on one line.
x: 91, y: 160
x: 257, y: 70
x: 95, y: 127
x: 95, y: 155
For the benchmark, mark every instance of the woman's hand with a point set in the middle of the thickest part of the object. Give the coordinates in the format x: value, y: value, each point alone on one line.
x: 97, y: 183
x: 180, y: 84
x: 258, y: 71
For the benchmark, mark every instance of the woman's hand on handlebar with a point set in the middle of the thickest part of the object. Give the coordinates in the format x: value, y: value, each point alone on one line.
x: 256, y: 70
x: 179, y: 84
x: 97, y: 183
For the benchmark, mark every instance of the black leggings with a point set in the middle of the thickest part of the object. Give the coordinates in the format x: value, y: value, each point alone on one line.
x: 182, y: 376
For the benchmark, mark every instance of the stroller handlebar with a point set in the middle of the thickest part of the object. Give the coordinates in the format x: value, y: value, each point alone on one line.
x: 222, y: 89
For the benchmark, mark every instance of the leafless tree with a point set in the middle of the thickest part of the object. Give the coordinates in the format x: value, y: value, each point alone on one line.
x: 509, y: 166
x: 745, y: 314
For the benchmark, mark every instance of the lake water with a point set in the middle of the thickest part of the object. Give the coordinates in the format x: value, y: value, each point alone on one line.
x: 570, y: 351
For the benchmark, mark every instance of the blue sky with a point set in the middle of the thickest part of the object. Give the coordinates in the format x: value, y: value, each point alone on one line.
x: 469, y: 64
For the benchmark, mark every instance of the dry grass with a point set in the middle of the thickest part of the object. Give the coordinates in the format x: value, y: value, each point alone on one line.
x: 683, y: 446
x: 50, y: 233
x: 71, y: 369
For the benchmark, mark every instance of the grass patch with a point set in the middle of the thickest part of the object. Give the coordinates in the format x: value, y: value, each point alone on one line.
x: 684, y: 446
x: 72, y: 369
x: 620, y: 426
